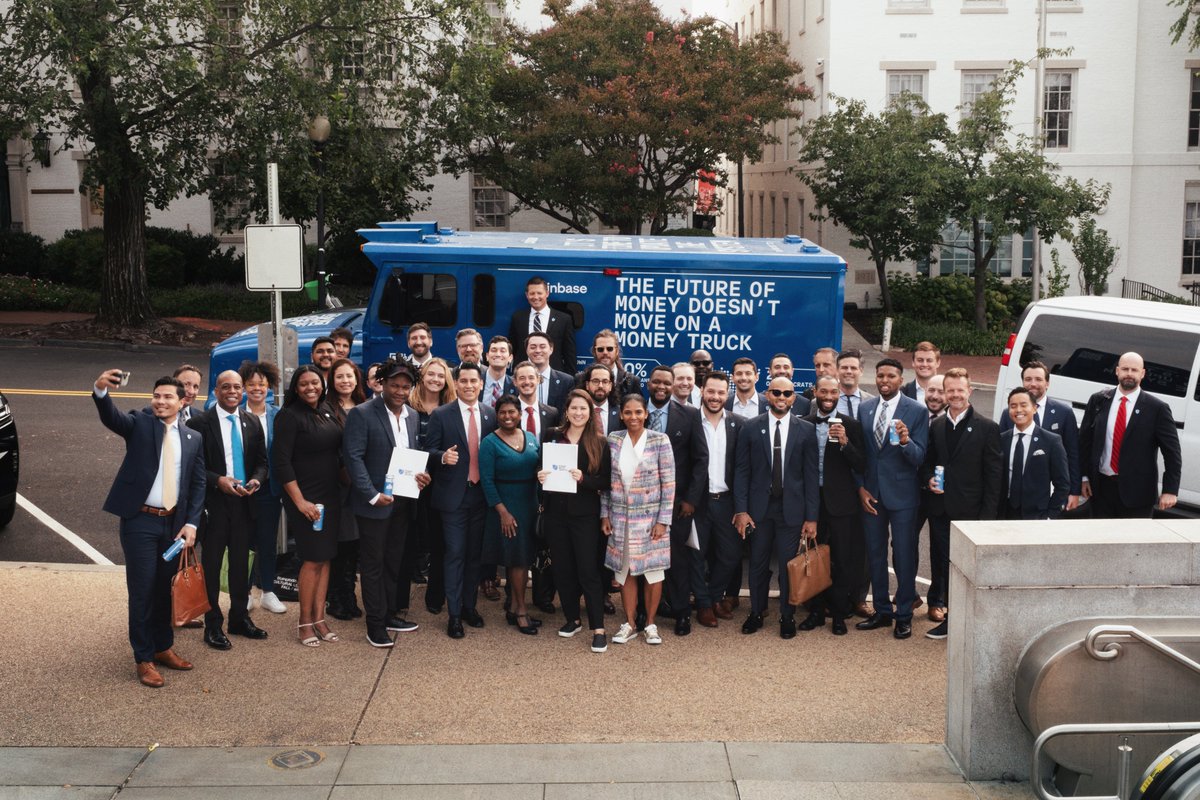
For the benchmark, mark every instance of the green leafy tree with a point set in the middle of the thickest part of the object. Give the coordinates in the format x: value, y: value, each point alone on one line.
x: 879, y: 177
x: 1057, y: 280
x: 1186, y: 24
x: 1097, y: 256
x: 609, y: 113
x: 1000, y: 183
x: 155, y: 89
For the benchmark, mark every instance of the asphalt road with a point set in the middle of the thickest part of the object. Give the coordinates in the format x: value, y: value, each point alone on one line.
x: 68, y: 459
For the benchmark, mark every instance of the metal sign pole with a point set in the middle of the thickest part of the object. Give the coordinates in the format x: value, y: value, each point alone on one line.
x: 276, y: 296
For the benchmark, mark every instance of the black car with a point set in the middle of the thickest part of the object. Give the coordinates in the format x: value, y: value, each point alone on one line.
x: 10, y: 462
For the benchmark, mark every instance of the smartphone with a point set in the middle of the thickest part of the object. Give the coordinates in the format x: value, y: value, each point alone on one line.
x: 124, y: 379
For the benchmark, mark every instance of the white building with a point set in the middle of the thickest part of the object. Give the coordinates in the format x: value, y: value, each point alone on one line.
x: 1125, y: 110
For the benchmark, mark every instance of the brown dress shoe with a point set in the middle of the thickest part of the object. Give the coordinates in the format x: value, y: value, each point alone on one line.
x: 721, y: 610
x: 864, y: 610
x: 937, y: 613
x: 171, y: 660
x: 148, y: 675
x: 732, y: 602
x: 490, y: 590
x: 918, y: 602
x: 706, y: 617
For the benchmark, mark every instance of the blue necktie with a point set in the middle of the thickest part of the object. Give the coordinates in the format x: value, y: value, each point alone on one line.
x: 235, y: 442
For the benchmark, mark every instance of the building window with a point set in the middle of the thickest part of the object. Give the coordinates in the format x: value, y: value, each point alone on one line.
x: 975, y: 83
x: 900, y: 83
x: 906, y: 5
x: 1058, y: 108
x: 801, y: 218
x: 787, y: 215
x: 353, y: 59
x: 956, y: 257
x: 1194, y: 113
x: 230, y: 201
x: 969, y: 4
x: 229, y: 23
x: 1191, y: 231
x: 490, y: 203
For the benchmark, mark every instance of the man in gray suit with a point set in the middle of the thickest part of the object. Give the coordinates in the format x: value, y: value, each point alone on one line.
x: 373, y: 431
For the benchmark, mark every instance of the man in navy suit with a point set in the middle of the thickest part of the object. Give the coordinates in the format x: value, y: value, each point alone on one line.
x: 1052, y: 416
x: 926, y: 361
x: 555, y: 385
x: 373, y: 432
x: 891, y: 494
x: 597, y: 381
x: 496, y: 381
x: 159, y: 495
x: 1123, y: 431
x: 1035, y: 477
x: 455, y: 431
x: 539, y: 317
x: 536, y: 417
x: 720, y: 551
x: 235, y: 458
x: 777, y: 495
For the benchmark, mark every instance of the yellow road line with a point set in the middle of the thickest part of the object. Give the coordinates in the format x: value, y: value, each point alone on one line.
x: 77, y: 393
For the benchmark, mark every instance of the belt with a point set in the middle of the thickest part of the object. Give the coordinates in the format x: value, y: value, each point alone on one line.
x: 155, y: 511
x: 717, y: 495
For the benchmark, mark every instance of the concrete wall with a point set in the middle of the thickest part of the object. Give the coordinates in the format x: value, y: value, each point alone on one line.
x: 1011, y: 581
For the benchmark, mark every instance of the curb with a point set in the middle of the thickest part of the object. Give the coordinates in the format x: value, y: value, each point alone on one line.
x: 85, y: 344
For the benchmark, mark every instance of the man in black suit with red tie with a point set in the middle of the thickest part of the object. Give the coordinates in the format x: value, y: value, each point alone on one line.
x: 235, y: 458
x: 841, y: 458
x: 1123, y: 431
x: 539, y: 317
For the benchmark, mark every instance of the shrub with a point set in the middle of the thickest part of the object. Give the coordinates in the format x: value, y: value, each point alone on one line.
x: 951, y: 337
x: 19, y: 292
x: 224, y: 301
x: 22, y: 253
x: 164, y: 266
x: 951, y: 298
x: 201, y: 258
x: 687, y: 232
x: 77, y: 259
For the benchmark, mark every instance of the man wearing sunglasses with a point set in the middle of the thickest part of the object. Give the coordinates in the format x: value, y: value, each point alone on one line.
x: 606, y: 349
x: 776, y: 493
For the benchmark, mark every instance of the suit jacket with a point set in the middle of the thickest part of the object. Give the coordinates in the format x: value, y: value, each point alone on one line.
x: 763, y: 407
x: 1059, y: 419
x: 910, y: 389
x: 635, y: 509
x: 560, y: 329
x: 549, y: 418
x: 367, y: 444
x: 614, y: 416
x: 585, y: 501
x: 973, y: 468
x: 143, y: 435
x: 558, y: 386
x: 752, y: 475
x: 506, y: 387
x: 800, y: 408
x: 627, y: 383
x: 1149, y: 429
x: 1045, y: 469
x: 254, y: 457
x: 690, y: 449
x: 893, y: 474
x: 844, y: 464
x: 446, y: 430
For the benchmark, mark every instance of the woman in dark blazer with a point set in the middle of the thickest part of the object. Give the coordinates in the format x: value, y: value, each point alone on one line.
x: 572, y: 521
x: 260, y: 378
x: 307, y: 460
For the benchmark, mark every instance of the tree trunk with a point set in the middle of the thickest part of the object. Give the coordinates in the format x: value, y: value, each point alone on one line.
x: 981, y: 263
x: 885, y: 293
x: 124, y: 297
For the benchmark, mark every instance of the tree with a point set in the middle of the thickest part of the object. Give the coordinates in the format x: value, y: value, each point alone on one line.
x: 879, y: 177
x: 160, y: 90
x: 1096, y: 255
x: 1187, y: 23
x: 1000, y: 183
x: 610, y: 113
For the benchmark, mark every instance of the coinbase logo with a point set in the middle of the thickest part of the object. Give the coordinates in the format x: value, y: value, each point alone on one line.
x: 566, y: 288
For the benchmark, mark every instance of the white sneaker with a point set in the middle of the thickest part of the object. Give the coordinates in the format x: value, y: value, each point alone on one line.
x: 250, y: 602
x: 652, y: 636
x: 271, y: 603
x: 625, y: 633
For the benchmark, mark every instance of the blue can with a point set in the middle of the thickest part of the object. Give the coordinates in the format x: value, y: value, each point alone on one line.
x: 939, y: 478
x: 388, y: 486
x: 320, y: 523
x: 894, y: 433
x: 173, y: 550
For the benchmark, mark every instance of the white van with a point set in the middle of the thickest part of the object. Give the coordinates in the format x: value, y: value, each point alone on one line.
x: 1080, y: 340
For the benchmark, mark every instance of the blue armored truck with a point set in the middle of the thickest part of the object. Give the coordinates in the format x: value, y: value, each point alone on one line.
x: 663, y: 296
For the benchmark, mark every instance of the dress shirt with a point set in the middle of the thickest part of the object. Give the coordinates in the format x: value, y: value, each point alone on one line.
x: 1039, y: 413
x: 544, y: 314
x: 537, y: 418
x: 717, y: 437
x: 544, y: 385
x: 1012, y: 449
x: 748, y: 409
x: 891, y: 413
x: 662, y: 422
x: 784, y: 428
x: 227, y: 440
x: 465, y: 411
x: 418, y: 364
x: 488, y: 383
x: 630, y: 457
x: 1106, y: 456
x: 955, y: 420
x: 400, y: 432
x: 822, y: 440
x: 154, y: 498
x: 266, y: 426
x: 849, y: 403
x: 694, y: 397
x: 920, y: 393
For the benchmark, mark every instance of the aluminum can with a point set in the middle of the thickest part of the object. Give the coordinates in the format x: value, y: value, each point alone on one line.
x: 320, y: 523
x: 173, y: 550
x: 893, y: 433
x: 389, y: 485
x: 939, y: 478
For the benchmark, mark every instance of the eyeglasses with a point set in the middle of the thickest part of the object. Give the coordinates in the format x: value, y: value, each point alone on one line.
x: 606, y: 349
x: 601, y: 381
x: 782, y: 392
x: 702, y: 363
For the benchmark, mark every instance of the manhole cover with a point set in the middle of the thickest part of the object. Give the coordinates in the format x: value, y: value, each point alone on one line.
x: 296, y: 759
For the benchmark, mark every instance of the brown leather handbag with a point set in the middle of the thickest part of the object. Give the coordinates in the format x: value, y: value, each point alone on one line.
x: 189, y: 597
x: 808, y: 572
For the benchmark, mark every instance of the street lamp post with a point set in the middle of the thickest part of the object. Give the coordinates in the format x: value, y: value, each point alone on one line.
x: 318, y: 134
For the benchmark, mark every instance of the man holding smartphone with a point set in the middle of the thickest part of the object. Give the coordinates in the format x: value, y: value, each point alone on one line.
x: 158, y: 494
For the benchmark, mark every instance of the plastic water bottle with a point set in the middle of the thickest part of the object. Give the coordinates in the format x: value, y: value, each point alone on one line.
x: 173, y: 550
x: 894, y: 433
x: 320, y: 523
x: 939, y: 478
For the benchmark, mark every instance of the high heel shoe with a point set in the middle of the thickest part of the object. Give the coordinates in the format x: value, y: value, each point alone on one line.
x: 311, y: 641
x: 529, y: 629
x: 328, y: 635
x: 511, y: 618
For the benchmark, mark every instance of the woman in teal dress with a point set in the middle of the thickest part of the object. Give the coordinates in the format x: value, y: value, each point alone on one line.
x: 508, y: 465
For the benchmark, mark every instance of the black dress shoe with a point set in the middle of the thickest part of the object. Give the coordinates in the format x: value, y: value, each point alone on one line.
x: 609, y: 608
x: 752, y: 623
x: 839, y: 627
x: 903, y: 629
x: 529, y: 630
x: 787, y: 627
x: 874, y: 621
x: 216, y: 639
x: 355, y: 611
x: 454, y: 628
x: 472, y: 618
x: 813, y: 620
x: 433, y: 609
x: 248, y: 629
x: 513, y: 619
x: 546, y: 608
x: 683, y: 625
x: 639, y: 620
x: 338, y: 610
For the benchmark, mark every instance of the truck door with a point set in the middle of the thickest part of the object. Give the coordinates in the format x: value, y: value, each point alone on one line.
x: 404, y: 298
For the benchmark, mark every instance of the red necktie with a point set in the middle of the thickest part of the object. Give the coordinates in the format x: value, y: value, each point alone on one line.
x: 1118, y: 435
x: 473, y: 447
x: 599, y: 421
x: 530, y: 422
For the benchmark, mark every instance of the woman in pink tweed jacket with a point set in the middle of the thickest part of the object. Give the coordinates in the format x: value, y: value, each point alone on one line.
x: 636, y: 514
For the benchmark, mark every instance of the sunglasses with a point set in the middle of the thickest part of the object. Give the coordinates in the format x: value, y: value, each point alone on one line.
x: 702, y: 363
x: 782, y: 392
x: 608, y: 349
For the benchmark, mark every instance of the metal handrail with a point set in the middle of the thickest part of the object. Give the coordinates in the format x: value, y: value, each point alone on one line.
x: 1125, y: 750
x: 1110, y: 650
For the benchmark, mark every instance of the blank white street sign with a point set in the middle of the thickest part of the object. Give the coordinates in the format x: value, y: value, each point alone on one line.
x: 274, y: 258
